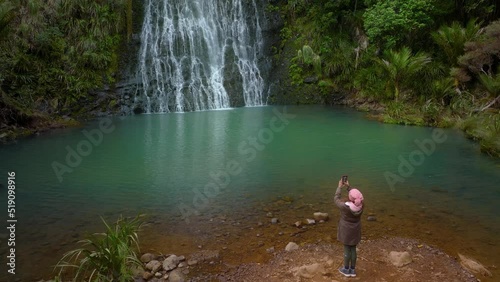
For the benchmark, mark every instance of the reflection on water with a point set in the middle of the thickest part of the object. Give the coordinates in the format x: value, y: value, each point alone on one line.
x: 153, y: 163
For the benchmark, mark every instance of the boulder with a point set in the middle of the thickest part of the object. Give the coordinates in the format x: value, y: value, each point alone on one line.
x: 171, y: 262
x: 400, y: 259
x: 291, y: 247
x: 318, y: 216
x: 473, y: 266
x: 153, y: 265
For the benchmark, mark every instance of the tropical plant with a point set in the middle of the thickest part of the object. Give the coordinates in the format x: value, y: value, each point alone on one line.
x: 400, y: 66
x: 105, y: 256
x: 6, y: 16
x: 309, y: 58
x: 451, y: 39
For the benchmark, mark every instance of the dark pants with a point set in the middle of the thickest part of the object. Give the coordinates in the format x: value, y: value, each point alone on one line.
x: 350, y: 256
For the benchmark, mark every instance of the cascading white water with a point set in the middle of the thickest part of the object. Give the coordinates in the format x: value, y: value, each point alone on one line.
x: 196, y: 53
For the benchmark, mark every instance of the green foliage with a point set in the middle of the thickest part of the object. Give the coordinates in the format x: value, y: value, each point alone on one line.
x: 451, y: 39
x: 400, y: 67
x: 106, y: 256
x: 340, y: 62
x: 308, y: 58
x: 295, y: 72
x: 482, y: 53
x: 6, y: 16
x: 393, y: 23
x: 60, y: 50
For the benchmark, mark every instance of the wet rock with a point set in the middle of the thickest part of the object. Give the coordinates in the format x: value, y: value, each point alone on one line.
x: 371, y: 218
x: 147, y: 275
x: 291, y: 247
x: 147, y: 257
x: 171, y: 262
x: 318, y: 216
x: 176, y: 276
x: 400, y: 259
x: 473, y: 266
x: 153, y: 265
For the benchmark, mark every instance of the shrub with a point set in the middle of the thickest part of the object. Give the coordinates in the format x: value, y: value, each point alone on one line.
x: 105, y: 256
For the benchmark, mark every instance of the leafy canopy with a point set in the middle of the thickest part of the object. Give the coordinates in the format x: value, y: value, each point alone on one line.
x: 391, y: 23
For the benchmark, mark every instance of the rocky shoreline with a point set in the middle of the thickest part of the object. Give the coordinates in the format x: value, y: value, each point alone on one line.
x: 393, y: 259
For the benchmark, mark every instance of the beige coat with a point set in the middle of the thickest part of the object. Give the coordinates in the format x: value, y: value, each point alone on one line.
x: 349, y: 226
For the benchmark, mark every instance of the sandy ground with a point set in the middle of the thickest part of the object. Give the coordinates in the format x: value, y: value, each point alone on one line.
x: 320, y: 262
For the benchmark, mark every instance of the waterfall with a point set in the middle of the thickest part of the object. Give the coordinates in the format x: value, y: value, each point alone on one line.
x: 199, y: 55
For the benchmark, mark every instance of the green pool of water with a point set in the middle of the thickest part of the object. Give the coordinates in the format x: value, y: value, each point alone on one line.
x: 184, y: 169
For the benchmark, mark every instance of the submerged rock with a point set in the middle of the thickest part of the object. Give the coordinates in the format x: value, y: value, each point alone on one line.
x: 473, y: 266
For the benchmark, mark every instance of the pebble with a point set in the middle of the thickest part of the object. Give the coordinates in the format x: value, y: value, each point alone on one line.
x: 371, y: 218
x: 310, y: 221
x: 274, y: 220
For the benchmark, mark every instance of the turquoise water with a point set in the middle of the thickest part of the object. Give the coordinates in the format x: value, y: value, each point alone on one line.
x: 165, y: 166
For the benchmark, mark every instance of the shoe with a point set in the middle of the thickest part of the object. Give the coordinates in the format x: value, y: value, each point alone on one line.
x: 352, y: 272
x: 345, y: 271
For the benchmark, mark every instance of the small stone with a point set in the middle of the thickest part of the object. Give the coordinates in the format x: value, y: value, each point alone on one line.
x: 153, y: 265
x: 371, y: 218
x: 310, y: 221
x: 260, y: 224
x: 170, y: 263
x: 270, y: 250
x: 191, y: 262
x: 291, y: 247
x: 147, y: 257
x: 158, y: 274
x: 181, y: 258
x: 147, y: 275
x: 269, y: 214
x: 281, y: 233
x: 182, y: 264
x: 274, y: 220
x: 258, y: 235
x: 298, y: 223
x: 320, y: 216
x: 400, y: 259
x: 176, y: 276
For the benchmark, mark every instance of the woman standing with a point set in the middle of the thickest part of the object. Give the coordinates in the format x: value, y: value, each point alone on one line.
x: 349, y: 226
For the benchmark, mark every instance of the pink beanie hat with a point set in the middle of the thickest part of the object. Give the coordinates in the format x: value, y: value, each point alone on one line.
x: 356, y: 198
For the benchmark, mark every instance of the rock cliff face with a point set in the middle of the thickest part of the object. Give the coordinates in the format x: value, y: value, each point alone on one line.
x: 273, y: 62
